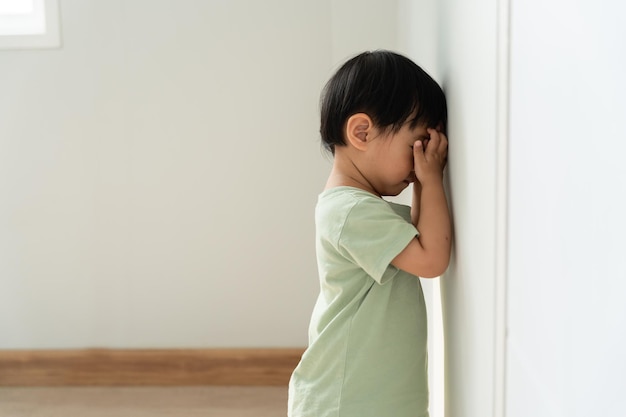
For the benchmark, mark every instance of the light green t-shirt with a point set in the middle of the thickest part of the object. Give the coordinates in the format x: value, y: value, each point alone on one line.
x: 367, y: 338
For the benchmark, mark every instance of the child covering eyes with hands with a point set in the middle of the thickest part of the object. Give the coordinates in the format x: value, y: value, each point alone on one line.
x: 382, y: 118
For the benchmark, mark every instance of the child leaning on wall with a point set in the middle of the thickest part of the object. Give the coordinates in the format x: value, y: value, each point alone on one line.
x: 382, y: 118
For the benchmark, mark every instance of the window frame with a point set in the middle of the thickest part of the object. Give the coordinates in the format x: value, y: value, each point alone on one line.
x: 49, y: 39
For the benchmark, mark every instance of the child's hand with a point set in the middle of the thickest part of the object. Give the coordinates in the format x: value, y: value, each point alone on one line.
x: 430, y: 157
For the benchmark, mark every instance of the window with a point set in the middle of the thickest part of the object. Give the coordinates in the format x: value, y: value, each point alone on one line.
x: 28, y: 24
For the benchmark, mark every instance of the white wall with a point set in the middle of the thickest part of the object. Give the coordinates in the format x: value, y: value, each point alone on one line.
x: 158, y: 174
x: 468, y: 69
x: 539, y: 122
x: 567, y: 275
x: 359, y: 25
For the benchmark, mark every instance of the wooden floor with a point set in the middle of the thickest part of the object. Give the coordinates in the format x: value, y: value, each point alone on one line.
x: 215, y: 401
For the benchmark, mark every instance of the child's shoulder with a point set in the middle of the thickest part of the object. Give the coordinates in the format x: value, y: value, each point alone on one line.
x: 346, y: 200
x: 342, y: 202
x: 347, y: 197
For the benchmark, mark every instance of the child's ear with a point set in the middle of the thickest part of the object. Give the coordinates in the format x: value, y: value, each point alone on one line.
x: 358, y: 127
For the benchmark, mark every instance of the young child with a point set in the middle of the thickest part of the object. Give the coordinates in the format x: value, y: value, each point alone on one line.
x: 382, y: 118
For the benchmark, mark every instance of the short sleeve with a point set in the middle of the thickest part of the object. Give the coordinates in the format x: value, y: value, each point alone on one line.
x: 373, y: 235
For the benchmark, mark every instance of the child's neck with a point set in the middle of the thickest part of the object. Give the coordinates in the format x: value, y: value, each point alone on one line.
x: 346, y: 173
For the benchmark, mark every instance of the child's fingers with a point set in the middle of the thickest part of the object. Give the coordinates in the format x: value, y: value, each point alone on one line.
x: 418, y: 147
x: 438, y: 143
x: 443, y: 145
x: 418, y: 152
x: 434, y: 142
x: 443, y: 148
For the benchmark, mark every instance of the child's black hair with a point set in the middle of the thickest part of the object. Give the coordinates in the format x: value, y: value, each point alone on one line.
x: 386, y: 86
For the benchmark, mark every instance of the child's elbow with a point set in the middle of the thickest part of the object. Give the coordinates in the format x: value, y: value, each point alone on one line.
x: 434, y: 273
x: 436, y: 268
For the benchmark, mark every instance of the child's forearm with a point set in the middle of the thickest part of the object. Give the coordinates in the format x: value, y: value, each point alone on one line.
x: 433, y: 220
x: 415, y: 206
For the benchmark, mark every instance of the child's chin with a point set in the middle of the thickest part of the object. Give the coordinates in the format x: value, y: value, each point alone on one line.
x: 394, y: 193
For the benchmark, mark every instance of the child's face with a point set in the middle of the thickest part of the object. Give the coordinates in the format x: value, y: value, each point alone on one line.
x: 390, y: 159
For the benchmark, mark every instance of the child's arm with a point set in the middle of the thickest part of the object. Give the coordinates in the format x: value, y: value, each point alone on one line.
x: 428, y: 255
x: 415, y: 206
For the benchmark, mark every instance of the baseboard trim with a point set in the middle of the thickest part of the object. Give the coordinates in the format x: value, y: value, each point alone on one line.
x: 115, y: 367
